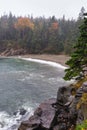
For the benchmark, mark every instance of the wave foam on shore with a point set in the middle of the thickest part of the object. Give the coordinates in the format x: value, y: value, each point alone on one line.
x: 8, y: 122
x: 54, y: 64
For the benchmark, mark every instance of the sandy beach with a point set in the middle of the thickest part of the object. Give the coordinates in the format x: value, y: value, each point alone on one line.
x: 61, y: 59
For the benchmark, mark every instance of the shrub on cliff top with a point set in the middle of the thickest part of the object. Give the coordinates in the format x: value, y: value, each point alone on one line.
x: 82, y: 126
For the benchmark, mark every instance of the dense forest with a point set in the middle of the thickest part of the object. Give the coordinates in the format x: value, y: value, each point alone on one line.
x: 28, y: 35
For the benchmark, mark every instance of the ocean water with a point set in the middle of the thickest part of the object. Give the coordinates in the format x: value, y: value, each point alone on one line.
x: 25, y: 83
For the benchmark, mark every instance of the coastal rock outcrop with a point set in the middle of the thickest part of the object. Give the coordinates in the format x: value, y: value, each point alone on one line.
x: 57, y: 114
x: 82, y: 111
x: 42, y: 118
x: 52, y: 114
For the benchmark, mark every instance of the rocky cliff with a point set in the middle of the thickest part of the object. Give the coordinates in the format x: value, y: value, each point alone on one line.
x: 57, y: 114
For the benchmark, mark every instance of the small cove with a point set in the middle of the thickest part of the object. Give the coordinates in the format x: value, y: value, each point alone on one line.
x: 25, y: 84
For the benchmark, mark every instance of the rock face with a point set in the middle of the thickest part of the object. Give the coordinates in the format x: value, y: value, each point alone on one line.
x: 42, y: 118
x: 64, y: 119
x: 57, y: 114
x: 80, y: 91
x: 53, y: 114
x: 82, y: 112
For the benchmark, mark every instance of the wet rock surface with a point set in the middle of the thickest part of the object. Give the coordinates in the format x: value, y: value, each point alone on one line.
x: 82, y: 112
x: 56, y: 114
x: 42, y: 118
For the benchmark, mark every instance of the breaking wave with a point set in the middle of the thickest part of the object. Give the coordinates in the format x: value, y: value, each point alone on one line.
x: 12, y: 122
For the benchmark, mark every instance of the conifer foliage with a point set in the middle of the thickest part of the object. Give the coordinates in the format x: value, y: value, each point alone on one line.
x: 78, y: 61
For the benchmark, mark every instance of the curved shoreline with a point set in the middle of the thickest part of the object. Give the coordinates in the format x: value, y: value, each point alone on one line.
x: 51, y: 63
x: 53, y: 60
x: 60, y: 59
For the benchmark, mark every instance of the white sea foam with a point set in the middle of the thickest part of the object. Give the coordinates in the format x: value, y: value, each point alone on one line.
x: 54, y: 64
x: 8, y: 122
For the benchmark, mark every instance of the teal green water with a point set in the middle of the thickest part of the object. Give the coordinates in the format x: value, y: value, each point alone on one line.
x: 25, y: 83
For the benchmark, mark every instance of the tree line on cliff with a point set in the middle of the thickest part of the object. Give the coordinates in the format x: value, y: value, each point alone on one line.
x: 77, y: 70
x: 39, y: 35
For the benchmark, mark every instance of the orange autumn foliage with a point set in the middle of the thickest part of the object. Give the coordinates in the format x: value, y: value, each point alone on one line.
x: 24, y: 22
x: 54, y: 25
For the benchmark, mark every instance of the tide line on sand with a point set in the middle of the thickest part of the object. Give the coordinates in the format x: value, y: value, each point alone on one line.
x: 54, y: 64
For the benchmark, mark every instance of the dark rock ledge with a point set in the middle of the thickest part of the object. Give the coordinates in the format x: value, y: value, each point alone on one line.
x: 42, y: 117
x: 57, y: 114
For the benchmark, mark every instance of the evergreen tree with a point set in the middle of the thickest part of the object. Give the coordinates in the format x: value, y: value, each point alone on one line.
x: 81, y: 13
x: 78, y: 62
